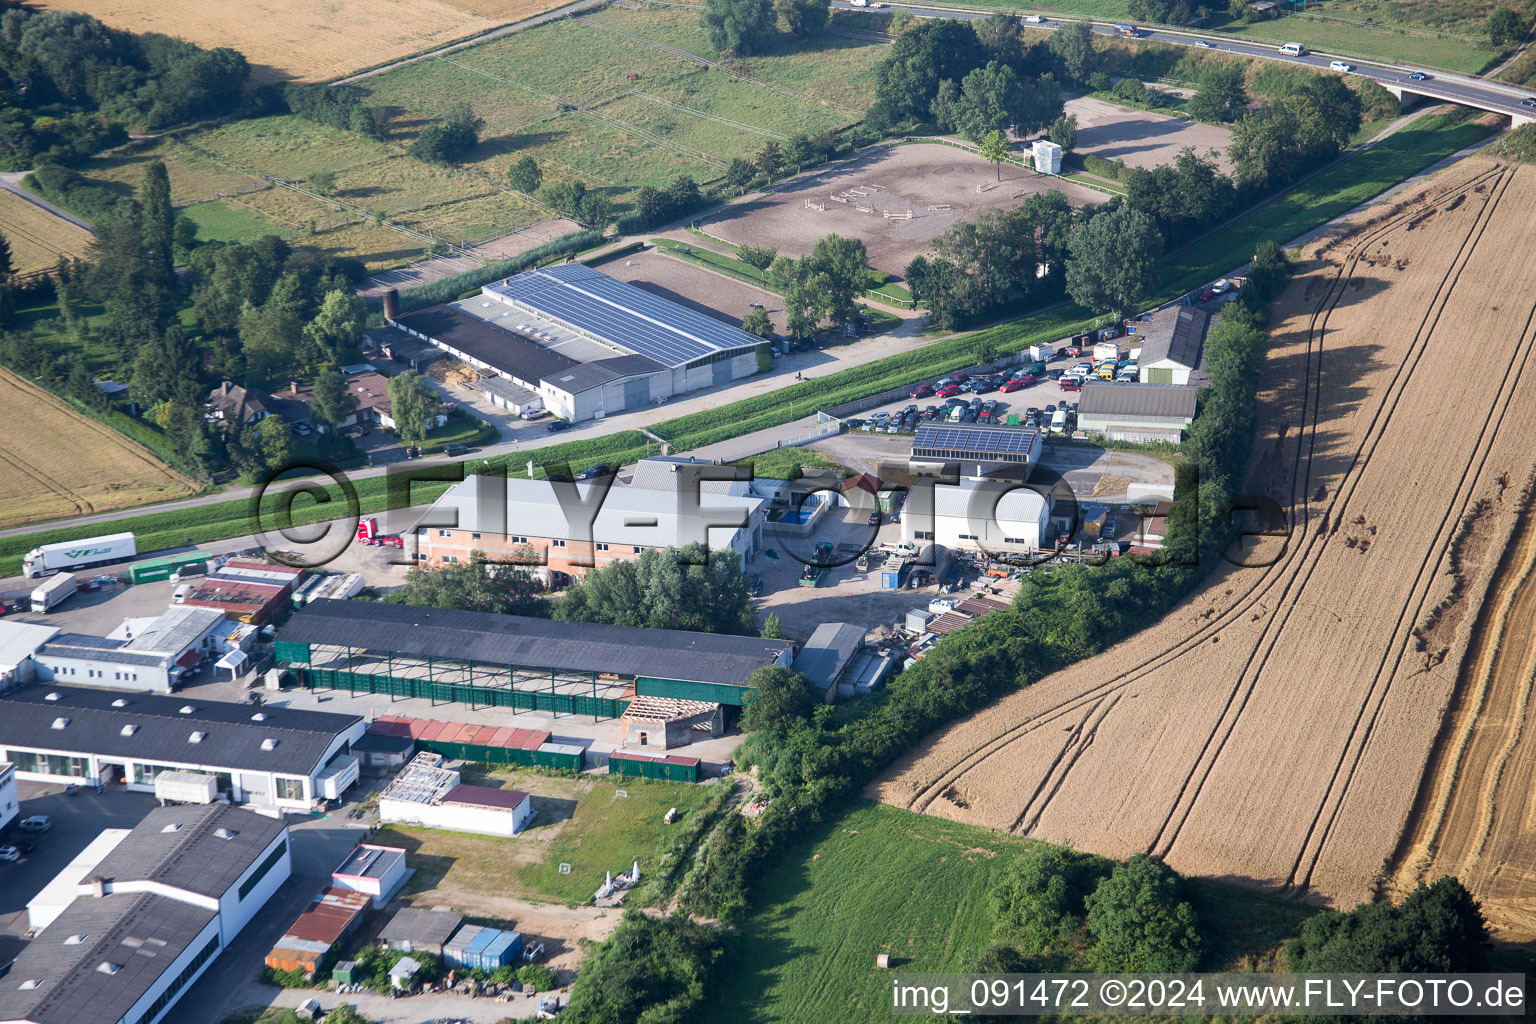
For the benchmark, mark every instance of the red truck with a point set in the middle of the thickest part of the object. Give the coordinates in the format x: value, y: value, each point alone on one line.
x: 368, y: 533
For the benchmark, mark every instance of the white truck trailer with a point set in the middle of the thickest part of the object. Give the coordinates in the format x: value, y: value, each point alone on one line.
x: 69, y: 555
x: 46, y: 595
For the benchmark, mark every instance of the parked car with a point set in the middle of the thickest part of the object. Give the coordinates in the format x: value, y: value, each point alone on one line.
x: 921, y: 391
x: 36, y: 823
x: 9, y: 853
x: 1072, y: 385
x: 754, y: 585
x: 960, y: 375
x: 592, y: 471
x: 555, y: 426
x: 1036, y: 370
x: 26, y: 846
x: 947, y: 390
x: 982, y: 386
x: 874, y: 519
x: 853, y: 424
x: 1012, y: 386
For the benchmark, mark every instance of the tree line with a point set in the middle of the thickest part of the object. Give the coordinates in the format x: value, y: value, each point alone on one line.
x: 70, y: 86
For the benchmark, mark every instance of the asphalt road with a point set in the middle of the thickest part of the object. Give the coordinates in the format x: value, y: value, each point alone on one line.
x: 1475, y: 92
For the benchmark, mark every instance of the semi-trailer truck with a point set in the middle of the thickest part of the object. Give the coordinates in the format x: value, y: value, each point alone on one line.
x: 67, y: 556
x: 46, y: 595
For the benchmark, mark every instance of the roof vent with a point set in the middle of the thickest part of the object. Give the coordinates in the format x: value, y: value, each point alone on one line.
x: 269, y: 744
x: 225, y: 833
x: 52, y: 696
x: 172, y: 827
x: 187, y: 709
x: 197, y: 737
x: 128, y: 730
x: 260, y: 716
x: 31, y: 983
x: 59, y: 723
x: 108, y: 967
x: 74, y: 940
x: 119, y: 703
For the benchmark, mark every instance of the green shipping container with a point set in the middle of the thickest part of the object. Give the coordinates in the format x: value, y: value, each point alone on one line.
x: 653, y: 768
x: 158, y: 570
x: 714, y: 693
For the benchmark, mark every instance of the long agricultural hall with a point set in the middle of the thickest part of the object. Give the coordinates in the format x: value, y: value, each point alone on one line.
x: 513, y: 661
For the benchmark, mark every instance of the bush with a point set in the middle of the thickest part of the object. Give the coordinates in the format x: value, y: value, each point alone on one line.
x: 537, y: 977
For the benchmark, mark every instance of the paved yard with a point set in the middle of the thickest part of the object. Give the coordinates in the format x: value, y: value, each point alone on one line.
x: 1141, y: 138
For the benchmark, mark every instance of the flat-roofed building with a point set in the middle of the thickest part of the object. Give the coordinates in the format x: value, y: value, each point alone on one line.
x: 978, y: 515
x: 1137, y: 412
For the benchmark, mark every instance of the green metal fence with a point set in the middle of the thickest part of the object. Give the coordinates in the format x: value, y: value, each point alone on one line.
x: 458, y: 693
x: 651, y: 768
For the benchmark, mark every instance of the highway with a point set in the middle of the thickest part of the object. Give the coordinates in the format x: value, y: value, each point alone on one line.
x: 1473, y: 92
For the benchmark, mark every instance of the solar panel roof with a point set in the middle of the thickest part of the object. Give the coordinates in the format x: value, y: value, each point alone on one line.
x: 977, y: 440
x: 619, y: 312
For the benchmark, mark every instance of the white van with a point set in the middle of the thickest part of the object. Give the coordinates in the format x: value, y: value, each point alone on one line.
x: 1293, y: 50
x: 956, y: 413
x: 1059, y: 421
x: 181, y: 594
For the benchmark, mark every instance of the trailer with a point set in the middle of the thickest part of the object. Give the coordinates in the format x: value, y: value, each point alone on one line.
x: 158, y: 570
x: 45, y: 596
x: 70, y: 555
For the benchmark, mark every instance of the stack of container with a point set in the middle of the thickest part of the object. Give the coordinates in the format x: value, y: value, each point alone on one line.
x: 487, y: 948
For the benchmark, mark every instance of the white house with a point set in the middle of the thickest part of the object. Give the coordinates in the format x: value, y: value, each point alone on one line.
x: 426, y: 793
x: 141, y: 655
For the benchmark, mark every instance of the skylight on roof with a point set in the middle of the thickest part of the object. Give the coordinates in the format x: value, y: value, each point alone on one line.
x: 119, y: 703
x: 30, y: 983
x: 59, y: 723
x: 172, y: 827
x: 197, y: 737
x: 108, y: 967
x: 187, y: 709
x: 52, y: 696
x: 225, y: 833
x: 260, y: 716
x: 269, y: 744
x: 128, y: 730
x: 74, y: 940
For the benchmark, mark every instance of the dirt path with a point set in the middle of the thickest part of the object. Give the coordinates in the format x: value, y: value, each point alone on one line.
x: 1272, y: 729
x: 1476, y: 814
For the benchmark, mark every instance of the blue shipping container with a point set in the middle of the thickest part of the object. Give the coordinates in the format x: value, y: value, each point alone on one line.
x: 453, y: 950
x: 474, y: 949
x: 503, y: 950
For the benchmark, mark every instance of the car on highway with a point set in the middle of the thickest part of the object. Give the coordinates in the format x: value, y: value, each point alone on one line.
x: 1529, y: 101
x: 1418, y: 76
x: 1340, y: 65
x: 1204, y: 44
x: 10, y: 853
x: 555, y: 426
x: 36, y: 823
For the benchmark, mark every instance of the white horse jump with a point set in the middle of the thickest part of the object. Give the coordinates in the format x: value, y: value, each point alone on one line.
x: 986, y: 186
x: 815, y: 206
x: 864, y: 209
x: 839, y: 199
x: 897, y: 216
x: 1021, y: 192
x: 943, y: 206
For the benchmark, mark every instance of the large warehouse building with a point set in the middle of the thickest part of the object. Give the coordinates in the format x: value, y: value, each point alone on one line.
x: 585, y: 345
x: 978, y: 515
x: 512, y: 661
x: 149, y: 919
x: 1137, y: 412
x: 280, y: 758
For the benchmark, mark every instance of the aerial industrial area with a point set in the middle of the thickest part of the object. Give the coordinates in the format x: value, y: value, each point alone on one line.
x: 765, y: 511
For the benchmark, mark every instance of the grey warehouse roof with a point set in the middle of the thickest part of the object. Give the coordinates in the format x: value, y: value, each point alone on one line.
x: 828, y: 652
x: 160, y: 732
x: 1172, y: 400
x: 427, y: 927
x: 602, y: 371
x: 140, y: 934
x: 506, y: 351
x: 1176, y: 333
x: 98, y: 648
x: 620, y: 314
x: 202, y: 849
x: 532, y: 643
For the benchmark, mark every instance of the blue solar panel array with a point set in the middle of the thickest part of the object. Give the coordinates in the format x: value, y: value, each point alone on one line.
x: 630, y: 317
x: 1015, y: 440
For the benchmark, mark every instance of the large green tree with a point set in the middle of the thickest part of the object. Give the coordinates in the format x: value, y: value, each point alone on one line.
x: 412, y: 405
x: 1041, y: 895
x: 332, y: 401
x: 1437, y: 928
x: 524, y: 175
x: 665, y: 588
x: 1113, y: 260
x: 159, y: 226
x: 334, y: 332
x: 994, y: 98
x: 1072, y: 44
x: 1222, y: 96
x: 907, y: 81
x: 781, y: 699
x: 824, y: 285
x: 1505, y: 26
x: 1000, y: 36
x: 1141, y: 921
x: 802, y: 17
x: 476, y: 586
x: 738, y: 28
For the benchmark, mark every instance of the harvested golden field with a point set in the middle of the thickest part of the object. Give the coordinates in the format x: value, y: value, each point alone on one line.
x: 1273, y: 730
x: 55, y: 462
x: 1476, y: 813
x: 294, y: 39
x: 37, y: 237
x: 504, y: 10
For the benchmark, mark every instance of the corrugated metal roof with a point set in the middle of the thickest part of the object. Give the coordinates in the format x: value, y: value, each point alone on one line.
x: 639, y: 516
x: 139, y: 934
x: 429, y: 927
x: 532, y: 643
x: 1172, y: 400
x: 1177, y: 334
x: 201, y: 848
x: 327, y: 919
x: 485, y: 796
x: 506, y: 351
x: 825, y: 655
x: 160, y: 731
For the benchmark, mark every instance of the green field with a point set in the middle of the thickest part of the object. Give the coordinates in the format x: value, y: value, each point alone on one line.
x: 883, y: 880
x: 1419, y: 144
x: 582, y: 822
x: 221, y: 221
